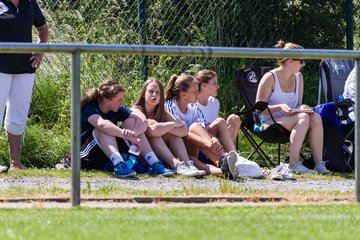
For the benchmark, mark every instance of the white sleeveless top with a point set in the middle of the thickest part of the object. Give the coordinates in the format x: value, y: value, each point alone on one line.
x: 280, y: 97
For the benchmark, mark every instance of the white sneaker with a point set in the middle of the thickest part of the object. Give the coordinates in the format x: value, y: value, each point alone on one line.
x: 3, y: 169
x: 231, y: 159
x: 286, y: 173
x: 298, y: 168
x: 191, y: 165
x: 184, y: 170
x: 321, y: 168
x: 276, y: 173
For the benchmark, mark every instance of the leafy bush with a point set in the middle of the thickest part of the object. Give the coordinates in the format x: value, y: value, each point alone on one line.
x: 42, y: 148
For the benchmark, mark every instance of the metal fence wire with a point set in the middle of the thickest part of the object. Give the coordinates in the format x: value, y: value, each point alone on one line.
x: 245, y: 23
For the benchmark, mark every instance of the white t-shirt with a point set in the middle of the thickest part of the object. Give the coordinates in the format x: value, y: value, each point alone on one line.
x: 349, y: 89
x: 211, y: 110
x: 192, y: 115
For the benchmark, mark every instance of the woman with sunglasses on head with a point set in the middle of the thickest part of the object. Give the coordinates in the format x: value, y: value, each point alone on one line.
x: 283, y: 88
x: 164, y: 132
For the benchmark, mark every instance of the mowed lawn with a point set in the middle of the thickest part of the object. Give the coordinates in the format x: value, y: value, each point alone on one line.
x: 247, y: 222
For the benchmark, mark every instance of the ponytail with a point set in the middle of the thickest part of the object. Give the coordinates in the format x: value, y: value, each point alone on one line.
x: 177, y: 84
x: 108, y: 89
x: 91, y: 95
x: 169, y: 94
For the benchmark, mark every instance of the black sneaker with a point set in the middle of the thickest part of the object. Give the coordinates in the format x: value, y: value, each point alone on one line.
x: 224, y: 166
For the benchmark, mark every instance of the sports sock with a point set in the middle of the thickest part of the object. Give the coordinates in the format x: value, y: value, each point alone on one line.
x: 150, y: 158
x: 116, y: 158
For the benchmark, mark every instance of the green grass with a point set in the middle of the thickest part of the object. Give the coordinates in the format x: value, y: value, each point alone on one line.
x: 265, y: 222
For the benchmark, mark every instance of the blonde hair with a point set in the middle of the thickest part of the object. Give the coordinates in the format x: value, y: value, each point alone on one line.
x: 283, y: 45
x: 108, y: 89
x: 140, y: 101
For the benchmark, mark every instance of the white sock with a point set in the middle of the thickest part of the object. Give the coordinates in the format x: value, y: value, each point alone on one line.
x: 116, y: 158
x: 150, y: 158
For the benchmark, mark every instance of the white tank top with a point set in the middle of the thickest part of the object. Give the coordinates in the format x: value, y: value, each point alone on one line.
x: 280, y: 97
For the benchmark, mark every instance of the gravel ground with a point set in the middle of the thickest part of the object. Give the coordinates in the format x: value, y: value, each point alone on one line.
x: 169, y: 184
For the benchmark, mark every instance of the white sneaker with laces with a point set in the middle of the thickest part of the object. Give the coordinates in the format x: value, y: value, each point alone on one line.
x: 184, y: 170
x: 276, y: 173
x: 321, y: 168
x: 286, y: 173
x: 298, y: 168
x: 191, y: 165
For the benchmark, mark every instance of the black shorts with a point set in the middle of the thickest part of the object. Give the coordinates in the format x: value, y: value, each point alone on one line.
x: 91, y: 154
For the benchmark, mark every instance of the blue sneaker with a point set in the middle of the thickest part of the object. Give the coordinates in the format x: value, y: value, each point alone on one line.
x: 159, y: 169
x: 121, y: 170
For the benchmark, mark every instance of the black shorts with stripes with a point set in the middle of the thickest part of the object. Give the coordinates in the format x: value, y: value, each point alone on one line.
x: 91, y: 154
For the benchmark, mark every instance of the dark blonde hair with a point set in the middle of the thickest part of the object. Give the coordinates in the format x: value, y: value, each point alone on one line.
x: 177, y: 84
x: 283, y: 45
x: 204, y: 76
x: 108, y: 89
x: 140, y: 101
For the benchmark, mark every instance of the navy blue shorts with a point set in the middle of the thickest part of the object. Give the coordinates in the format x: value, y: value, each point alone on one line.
x: 204, y: 159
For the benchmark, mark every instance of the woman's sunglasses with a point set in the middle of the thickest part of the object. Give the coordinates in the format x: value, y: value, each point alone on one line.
x: 302, y: 61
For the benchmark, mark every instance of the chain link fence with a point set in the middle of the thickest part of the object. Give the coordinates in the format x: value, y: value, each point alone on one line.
x: 228, y: 23
x: 246, y: 23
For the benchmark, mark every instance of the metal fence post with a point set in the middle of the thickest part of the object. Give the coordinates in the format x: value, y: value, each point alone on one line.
x: 349, y: 25
x: 75, y: 128
x: 142, y: 31
x: 357, y: 135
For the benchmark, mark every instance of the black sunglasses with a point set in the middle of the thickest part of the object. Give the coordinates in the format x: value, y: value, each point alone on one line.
x: 302, y: 61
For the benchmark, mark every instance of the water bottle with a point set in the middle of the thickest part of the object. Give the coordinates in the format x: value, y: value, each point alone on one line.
x: 258, y: 123
x: 340, y: 98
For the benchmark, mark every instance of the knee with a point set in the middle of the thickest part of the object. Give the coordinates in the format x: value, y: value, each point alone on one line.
x: 220, y: 122
x: 195, y: 127
x: 234, y: 120
x: 315, y: 120
x: 304, y: 119
x: 129, y: 123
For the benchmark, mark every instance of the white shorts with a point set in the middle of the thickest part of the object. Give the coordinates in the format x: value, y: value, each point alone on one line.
x: 15, y: 93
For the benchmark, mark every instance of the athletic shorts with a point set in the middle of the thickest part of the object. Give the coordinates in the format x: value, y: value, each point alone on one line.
x: 204, y: 159
x: 91, y: 154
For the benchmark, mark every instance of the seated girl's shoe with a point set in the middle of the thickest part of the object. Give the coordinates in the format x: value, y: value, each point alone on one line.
x: 159, y: 169
x: 321, y: 168
x: 183, y: 169
x: 122, y: 170
x: 299, y: 168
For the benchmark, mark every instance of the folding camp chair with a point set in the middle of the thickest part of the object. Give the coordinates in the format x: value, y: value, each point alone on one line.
x: 333, y: 74
x: 247, y: 81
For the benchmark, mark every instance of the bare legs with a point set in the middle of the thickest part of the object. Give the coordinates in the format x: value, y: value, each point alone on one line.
x: 15, y: 151
x: 193, y: 149
x: 233, y: 124
x: 301, y: 124
x: 163, y: 152
x: 219, y: 129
